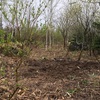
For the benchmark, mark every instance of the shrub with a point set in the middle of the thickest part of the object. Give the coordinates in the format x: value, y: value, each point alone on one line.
x: 13, y: 49
x: 96, y: 46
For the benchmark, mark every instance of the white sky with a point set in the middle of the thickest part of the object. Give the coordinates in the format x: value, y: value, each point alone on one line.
x: 58, y: 9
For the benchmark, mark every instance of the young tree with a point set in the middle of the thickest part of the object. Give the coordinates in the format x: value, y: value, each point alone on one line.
x: 85, y: 17
x: 49, y: 21
x: 2, y: 4
x: 65, y: 23
x: 23, y: 16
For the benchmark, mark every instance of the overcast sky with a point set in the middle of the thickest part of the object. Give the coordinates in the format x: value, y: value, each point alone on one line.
x: 60, y: 6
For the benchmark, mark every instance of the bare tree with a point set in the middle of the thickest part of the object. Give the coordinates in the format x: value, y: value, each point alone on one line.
x: 24, y: 15
x: 64, y: 24
x: 49, y: 21
x: 85, y: 14
x: 2, y: 4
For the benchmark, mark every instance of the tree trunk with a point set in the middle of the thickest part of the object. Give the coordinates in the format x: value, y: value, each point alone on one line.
x: 50, y: 39
x: 80, y: 55
x: 64, y: 42
x: 46, y: 46
x: 1, y: 15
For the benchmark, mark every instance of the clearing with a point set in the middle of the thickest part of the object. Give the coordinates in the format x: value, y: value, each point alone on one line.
x: 48, y: 75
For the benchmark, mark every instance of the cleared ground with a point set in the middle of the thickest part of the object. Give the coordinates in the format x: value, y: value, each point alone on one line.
x: 49, y: 75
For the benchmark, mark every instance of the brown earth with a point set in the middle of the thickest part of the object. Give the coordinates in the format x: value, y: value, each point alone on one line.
x: 49, y: 75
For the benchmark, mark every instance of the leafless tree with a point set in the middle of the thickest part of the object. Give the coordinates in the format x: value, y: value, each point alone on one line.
x: 64, y: 24
x: 86, y: 14
x: 49, y: 21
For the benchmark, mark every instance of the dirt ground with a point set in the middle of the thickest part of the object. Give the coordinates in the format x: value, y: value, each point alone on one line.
x: 49, y: 75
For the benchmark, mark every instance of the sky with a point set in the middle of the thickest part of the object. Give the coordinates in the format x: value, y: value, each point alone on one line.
x: 36, y: 2
x: 58, y: 9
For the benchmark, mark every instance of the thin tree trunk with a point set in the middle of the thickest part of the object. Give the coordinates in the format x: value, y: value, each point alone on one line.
x: 46, y: 46
x: 1, y: 15
x: 50, y: 39
x: 64, y: 43
x: 83, y: 41
x: 80, y: 55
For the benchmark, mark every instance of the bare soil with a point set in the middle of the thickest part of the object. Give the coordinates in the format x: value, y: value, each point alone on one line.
x: 49, y: 75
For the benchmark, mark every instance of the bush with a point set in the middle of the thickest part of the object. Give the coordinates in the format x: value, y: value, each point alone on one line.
x: 12, y: 49
x: 74, y: 46
x: 96, y: 46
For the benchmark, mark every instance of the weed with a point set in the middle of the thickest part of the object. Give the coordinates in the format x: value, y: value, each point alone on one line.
x: 85, y: 82
x: 2, y: 71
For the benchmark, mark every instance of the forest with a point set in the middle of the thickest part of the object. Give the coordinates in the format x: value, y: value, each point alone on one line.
x: 49, y: 50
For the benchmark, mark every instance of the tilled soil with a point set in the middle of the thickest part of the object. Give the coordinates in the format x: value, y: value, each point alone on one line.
x: 50, y: 79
